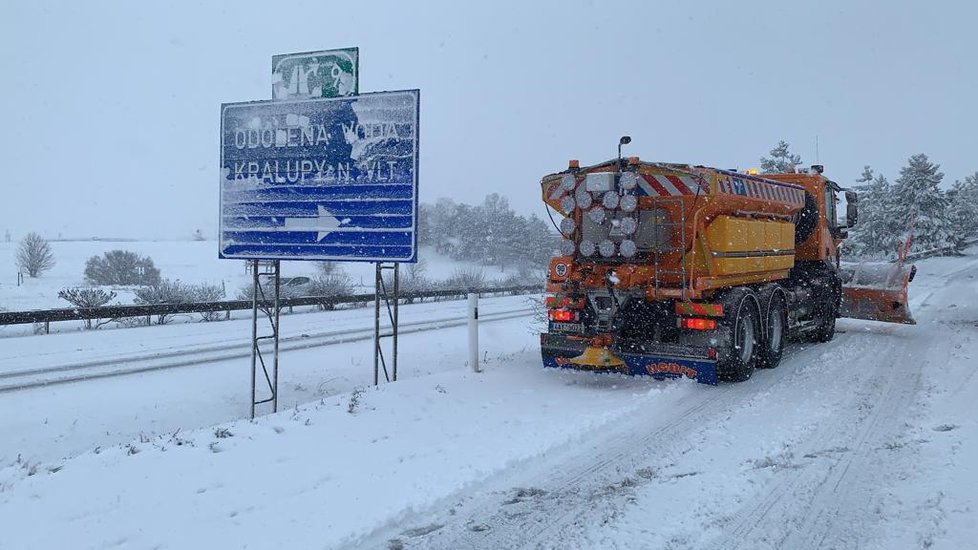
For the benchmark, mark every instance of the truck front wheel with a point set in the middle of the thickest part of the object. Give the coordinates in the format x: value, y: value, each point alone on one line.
x: 826, y: 312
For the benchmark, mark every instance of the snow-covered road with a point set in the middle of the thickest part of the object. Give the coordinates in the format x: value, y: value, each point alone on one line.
x: 827, y: 451
x: 868, y: 441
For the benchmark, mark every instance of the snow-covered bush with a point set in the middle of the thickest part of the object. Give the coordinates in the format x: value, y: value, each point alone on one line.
x: 330, y: 284
x: 164, y: 292
x: 526, y: 276
x: 411, y: 279
x: 466, y: 278
x: 121, y: 267
x: 87, y: 297
x: 204, y: 292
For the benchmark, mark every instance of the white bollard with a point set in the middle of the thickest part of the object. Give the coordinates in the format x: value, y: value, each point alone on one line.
x: 474, y: 331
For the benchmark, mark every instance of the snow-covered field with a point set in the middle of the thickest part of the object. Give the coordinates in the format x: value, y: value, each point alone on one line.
x: 868, y: 441
x: 188, y: 261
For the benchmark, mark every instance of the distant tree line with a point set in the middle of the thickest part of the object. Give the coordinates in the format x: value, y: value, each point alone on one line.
x: 490, y: 233
x: 939, y: 217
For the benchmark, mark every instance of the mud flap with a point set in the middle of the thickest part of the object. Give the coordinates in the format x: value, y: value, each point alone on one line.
x: 877, y: 292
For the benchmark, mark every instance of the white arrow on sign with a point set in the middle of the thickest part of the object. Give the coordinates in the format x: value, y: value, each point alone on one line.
x: 324, y: 224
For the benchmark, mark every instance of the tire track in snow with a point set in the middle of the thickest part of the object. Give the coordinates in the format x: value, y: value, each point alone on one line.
x: 807, y: 504
x: 834, y: 505
x: 584, y: 490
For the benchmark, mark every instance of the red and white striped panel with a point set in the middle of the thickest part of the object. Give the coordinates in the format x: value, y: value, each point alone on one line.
x: 555, y: 191
x: 668, y: 186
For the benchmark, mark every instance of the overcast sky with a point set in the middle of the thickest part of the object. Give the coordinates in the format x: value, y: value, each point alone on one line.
x: 111, y: 112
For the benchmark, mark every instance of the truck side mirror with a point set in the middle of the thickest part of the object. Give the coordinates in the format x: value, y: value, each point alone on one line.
x: 852, y: 210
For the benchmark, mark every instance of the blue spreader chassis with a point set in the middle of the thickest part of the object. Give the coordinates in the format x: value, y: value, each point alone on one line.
x: 659, y: 361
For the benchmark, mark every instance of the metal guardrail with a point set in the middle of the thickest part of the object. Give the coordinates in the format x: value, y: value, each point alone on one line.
x: 940, y: 251
x: 121, y: 312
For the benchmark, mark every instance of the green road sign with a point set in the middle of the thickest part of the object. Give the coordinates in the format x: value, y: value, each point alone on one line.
x: 308, y: 75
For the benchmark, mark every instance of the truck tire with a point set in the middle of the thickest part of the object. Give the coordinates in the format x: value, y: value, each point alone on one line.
x: 742, y: 317
x: 775, y: 328
x: 826, y: 313
x: 826, y: 323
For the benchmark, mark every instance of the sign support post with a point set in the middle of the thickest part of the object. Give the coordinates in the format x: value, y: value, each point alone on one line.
x: 272, y: 309
x: 391, y: 298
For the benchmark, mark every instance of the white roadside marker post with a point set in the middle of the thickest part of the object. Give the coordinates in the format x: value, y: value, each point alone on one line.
x: 474, y: 331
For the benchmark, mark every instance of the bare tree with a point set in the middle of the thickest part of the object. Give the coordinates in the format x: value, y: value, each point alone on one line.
x: 34, y: 256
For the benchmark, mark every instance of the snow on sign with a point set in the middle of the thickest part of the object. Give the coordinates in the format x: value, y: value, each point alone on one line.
x: 309, y: 75
x: 321, y: 179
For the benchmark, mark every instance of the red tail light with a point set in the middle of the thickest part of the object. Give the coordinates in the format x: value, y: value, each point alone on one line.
x: 697, y: 324
x: 563, y: 315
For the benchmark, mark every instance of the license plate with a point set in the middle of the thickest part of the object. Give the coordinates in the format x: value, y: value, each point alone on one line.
x: 567, y: 327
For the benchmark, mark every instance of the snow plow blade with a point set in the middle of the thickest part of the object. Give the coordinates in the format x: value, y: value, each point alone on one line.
x: 877, y: 292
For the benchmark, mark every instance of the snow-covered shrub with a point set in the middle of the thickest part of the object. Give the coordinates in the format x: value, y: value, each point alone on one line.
x: 526, y: 276
x: 121, y: 267
x: 204, y: 292
x: 87, y: 297
x: 334, y: 283
x: 466, y: 278
x: 164, y: 292
x: 411, y: 279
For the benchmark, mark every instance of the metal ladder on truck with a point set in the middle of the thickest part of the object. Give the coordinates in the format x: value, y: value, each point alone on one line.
x: 664, y: 241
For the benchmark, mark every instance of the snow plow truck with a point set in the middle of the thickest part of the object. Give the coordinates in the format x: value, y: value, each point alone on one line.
x: 673, y: 270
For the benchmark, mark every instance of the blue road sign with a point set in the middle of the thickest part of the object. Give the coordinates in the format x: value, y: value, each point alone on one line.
x: 321, y: 179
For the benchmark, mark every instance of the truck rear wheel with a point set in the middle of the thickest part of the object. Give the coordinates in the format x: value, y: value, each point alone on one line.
x: 743, y: 343
x: 775, y: 329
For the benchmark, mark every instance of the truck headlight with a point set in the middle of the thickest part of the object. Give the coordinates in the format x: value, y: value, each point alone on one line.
x: 567, y: 247
x: 587, y: 248
x: 628, y: 180
x: 628, y: 248
x: 584, y: 199
x: 596, y: 215
x: 628, y: 203
x: 567, y: 182
x: 567, y: 226
x: 567, y: 204
x: 627, y: 225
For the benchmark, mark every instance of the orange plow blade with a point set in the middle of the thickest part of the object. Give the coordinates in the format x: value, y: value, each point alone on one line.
x: 877, y: 292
